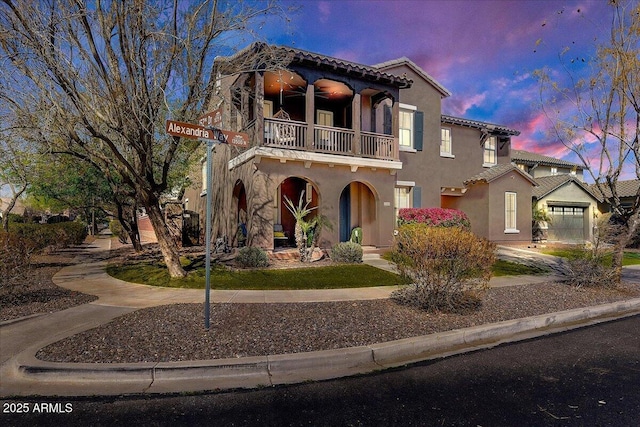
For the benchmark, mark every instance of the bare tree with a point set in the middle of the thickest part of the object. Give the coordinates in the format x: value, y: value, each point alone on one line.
x: 105, y: 75
x: 604, y: 122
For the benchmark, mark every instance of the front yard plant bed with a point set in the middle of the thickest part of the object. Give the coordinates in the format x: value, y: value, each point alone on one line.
x: 333, y: 276
x: 37, y: 294
x: 327, y: 276
x: 176, y: 332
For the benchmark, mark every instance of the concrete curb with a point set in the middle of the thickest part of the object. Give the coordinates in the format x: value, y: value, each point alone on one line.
x: 72, y: 379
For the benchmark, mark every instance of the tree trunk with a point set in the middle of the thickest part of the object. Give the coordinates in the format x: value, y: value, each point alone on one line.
x: 130, y: 226
x: 165, y: 241
x: 5, y: 221
x: 134, y: 233
x: 623, y: 239
x: 10, y: 206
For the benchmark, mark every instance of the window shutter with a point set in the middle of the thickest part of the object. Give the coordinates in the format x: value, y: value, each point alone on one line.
x: 417, y: 197
x: 387, y: 121
x: 418, y: 127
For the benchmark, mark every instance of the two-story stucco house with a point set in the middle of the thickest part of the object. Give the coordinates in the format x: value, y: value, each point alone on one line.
x: 357, y: 143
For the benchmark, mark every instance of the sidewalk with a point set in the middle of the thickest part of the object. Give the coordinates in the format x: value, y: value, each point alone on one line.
x: 22, y: 374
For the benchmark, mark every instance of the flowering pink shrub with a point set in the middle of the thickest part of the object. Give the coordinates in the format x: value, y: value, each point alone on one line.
x: 437, y: 217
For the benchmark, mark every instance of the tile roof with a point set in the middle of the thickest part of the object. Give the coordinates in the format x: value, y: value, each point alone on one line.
x: 415, y: 67
x: 630, y: 188
x: 496, y: 172
x: 549, y: 184
x: 526, y: 157
x: 491, y: 127
x: 316, y: 59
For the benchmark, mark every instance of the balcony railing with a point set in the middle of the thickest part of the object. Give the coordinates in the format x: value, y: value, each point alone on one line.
x: 333, y: 140
x: 378, y: 146
x: 285, y: 133
x: 293, y: 135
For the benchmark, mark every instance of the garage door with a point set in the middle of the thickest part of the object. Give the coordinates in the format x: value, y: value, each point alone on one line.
x: 567, y: 224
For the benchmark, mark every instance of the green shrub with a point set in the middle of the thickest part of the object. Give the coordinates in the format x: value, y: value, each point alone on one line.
x: 16, y: 219
x: 252, y: 257
x: 51, y: 236
x: 448, y: 267
x: 347, y: 252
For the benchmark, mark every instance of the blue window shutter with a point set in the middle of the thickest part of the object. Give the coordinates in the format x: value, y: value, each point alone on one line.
x: 417, y: 197
x: 418, y: 129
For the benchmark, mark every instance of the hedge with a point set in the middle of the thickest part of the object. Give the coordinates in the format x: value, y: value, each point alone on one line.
x: 438, y: 217
x: 59, y: 235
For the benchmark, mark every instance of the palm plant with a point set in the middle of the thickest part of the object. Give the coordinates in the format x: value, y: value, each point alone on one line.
x: 303, y: 228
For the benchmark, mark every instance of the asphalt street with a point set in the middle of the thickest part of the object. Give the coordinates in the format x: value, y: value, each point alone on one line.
x: 586, y: 377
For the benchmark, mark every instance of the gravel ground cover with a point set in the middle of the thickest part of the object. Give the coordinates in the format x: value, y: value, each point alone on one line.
x: 176, y: 332
x: 38, y: 294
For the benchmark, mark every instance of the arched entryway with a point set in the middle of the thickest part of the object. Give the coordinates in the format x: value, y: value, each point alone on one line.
x: 292, y: 188
x: 357, y: 209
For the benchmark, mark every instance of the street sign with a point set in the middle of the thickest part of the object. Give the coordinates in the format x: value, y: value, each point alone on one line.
x: 238, y: 139
x: 212, y: 118
x: 188, y: 130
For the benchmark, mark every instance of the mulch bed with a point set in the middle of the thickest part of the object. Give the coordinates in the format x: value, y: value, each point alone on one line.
x: 176, y: 332
x: 37, y: 293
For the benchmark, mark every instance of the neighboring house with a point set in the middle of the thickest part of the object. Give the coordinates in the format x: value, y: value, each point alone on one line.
x: 570, y: 203
x: 538, y: 165
x: 357, y: 143
x: 561, y: 192
x: 628, y: 192
x: 18, y: 209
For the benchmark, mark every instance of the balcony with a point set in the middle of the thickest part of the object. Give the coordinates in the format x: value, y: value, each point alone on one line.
x: 291, y: 134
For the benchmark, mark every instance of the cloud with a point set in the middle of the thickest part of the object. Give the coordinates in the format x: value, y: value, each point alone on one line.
x: 324, y: 11
x: 459, y: 105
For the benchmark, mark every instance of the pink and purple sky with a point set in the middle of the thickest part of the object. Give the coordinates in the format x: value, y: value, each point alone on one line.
x: 483, y: 51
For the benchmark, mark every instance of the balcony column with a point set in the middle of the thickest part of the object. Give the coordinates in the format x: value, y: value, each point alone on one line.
x: 395, y: 129
x: 356, y: 120
x: 310, y: 115
x: 259, y: 107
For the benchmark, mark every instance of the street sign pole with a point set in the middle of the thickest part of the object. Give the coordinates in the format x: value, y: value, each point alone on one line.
x: 207, y: 299
x: 211, y: 135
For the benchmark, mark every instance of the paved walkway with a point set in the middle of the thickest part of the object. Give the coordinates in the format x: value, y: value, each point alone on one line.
x: 22, y: 374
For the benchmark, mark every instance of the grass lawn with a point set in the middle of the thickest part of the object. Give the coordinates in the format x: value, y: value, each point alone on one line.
x: 506, y: 268
x: 330, y: 277
x: 630, y: 258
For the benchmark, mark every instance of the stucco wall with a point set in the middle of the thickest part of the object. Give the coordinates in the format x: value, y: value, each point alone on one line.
x: 423, y: 166
x: 511, y: 182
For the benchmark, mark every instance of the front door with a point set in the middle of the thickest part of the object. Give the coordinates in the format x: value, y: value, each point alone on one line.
x: 345, y: 214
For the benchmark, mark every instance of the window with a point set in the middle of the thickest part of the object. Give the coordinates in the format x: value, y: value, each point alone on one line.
x: 402, y: 198
x: 554, y: 170
x: 445, y: 142
x: 490, y: 151
x: 267, y: 109
x: 510, y: 212
x: 324, y: 118
x: 406, y: 128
